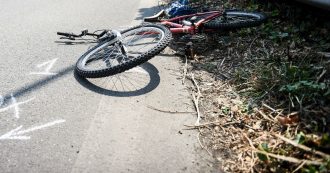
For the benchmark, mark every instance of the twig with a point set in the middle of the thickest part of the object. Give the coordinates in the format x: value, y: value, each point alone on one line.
x: 171, y: 112
x: 210, y: 123
x: 196, y: 99
x: 300, y: 102
x: 299, y: 167
x: 303, y: 147
x: 220, y: 65
x: 272, y: 109
x: 203, y: 125
x: 296, y: 130
x: 249, y: 140
x: 253, y: 41
x: 321, y: 75
x: 185, y: 70
x: 325, y: 54
x: 265, y: 49
x: 263, y: 115
x: 253, y: 161
x: 289, y: 159
x: 240, y: 158
x: 292, y: 104
x: 223, y: 75
x: 200, y: 143
x: 278, y: 114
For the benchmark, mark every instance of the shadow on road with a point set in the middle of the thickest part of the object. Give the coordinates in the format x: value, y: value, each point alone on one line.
x: 37, y: 84
x: 146, y: 12
x: 130, y: 83
x: 119, y: 89
x: 137, y: 81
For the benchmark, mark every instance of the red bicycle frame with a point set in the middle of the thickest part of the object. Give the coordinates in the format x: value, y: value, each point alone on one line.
x: 177, y: 28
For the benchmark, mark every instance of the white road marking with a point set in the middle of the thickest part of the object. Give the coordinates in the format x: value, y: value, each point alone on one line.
x: 49, y: 65
x: 16, y: 108
x: 18, y: 134
x: 1, y: 100
x: 15, y: 105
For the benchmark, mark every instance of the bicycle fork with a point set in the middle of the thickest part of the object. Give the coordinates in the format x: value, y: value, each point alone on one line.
x: 118, y: 44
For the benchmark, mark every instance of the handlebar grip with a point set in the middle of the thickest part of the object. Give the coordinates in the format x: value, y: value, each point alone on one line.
x: 64, y: 34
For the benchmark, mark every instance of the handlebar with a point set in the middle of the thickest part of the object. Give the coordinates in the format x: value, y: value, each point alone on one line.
x: 67, y: 34
x: 72, y: 36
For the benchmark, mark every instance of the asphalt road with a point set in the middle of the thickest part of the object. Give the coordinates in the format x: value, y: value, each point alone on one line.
x: 54, y: 121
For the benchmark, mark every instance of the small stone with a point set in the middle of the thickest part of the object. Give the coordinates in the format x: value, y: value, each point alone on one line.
x: 248, y: 158
x: 217, y: 128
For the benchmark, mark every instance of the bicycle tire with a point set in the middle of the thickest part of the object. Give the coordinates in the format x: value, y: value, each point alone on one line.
x: 248, y: 19
x: 122, y: 66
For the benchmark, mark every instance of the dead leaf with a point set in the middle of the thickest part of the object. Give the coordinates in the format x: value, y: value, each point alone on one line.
x: 292, y: 118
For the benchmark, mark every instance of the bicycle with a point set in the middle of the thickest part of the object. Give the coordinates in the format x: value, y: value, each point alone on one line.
x: 117, y: 51
x: 211, y: 21
x: 197, y: 27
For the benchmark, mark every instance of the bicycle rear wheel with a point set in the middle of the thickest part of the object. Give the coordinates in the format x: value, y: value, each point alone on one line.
x: 235, y: 19
x: 141, y: 43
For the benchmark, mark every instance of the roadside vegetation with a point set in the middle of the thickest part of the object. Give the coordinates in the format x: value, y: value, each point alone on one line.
x: 262, y: 94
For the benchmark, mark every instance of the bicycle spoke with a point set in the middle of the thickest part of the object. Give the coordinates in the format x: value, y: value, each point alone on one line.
x: 135, y: 34
x: 130, y: 81
x: 141, y: 48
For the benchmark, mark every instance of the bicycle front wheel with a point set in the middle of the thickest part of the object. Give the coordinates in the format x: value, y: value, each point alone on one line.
x: 234, y: 19
x: 141, y: 43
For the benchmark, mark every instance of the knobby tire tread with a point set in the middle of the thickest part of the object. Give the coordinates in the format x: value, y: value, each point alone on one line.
x: 213, y: 24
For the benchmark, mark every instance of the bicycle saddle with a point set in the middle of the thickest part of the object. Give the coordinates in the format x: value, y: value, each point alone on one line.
x: 156, y: 17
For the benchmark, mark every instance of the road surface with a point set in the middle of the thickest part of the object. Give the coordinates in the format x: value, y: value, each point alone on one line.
x: 55, y: 121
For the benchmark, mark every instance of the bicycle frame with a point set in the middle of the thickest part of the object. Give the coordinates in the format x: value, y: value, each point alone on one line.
x: 177, y: 28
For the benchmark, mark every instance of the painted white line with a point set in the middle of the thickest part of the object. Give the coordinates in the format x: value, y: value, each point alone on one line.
x: 1, y: 100
x: 49, y: 65
x: 9, y: 135
x: 15, y: 105
x: 17, y: 132
x: 16, y: 108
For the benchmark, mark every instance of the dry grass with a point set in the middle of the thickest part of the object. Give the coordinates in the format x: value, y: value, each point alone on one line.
x: 262, y: 94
